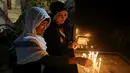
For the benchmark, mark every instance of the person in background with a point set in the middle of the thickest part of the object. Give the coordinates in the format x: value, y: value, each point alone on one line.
x: 31, y: 47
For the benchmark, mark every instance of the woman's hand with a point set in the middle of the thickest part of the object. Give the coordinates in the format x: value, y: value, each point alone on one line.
x: 88, y: 63
x: 82, y: 61
x: 73, y: 45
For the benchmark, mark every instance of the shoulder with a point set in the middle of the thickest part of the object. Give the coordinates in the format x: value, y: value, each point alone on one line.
x: 27, y: 41
x: 24, y: 44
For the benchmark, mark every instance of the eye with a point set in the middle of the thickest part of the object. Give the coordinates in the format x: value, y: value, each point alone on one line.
x: 65, y: 14
x: 60, y: 14
x: 44, y: 23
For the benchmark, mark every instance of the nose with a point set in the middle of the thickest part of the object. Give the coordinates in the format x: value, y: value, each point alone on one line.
x: 63, y: 17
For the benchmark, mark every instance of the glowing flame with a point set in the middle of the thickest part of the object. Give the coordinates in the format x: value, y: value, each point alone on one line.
x: 88, y: 35
x: 77, y: 31
x: 100, y: 59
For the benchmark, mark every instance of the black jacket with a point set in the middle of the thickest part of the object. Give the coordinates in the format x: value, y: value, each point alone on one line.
x: 52, y: 37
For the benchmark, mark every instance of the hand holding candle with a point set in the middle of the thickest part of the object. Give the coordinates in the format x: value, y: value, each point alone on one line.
x: 93, y: 57
x: 84, y: 61
x: 84, y: 55
x: 88, y: 63
x: 92, y: 61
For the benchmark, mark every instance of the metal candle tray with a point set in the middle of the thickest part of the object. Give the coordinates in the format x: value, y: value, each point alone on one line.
x: 112, y: 62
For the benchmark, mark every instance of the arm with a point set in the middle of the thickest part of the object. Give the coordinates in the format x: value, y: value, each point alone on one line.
x: 54, y: 60
x: 60, y: 60
x: 63, y: 60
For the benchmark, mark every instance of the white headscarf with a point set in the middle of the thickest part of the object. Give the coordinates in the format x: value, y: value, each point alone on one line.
x: 33, y: 17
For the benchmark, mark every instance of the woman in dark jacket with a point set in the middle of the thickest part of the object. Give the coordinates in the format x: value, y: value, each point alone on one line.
x: 59, y: 34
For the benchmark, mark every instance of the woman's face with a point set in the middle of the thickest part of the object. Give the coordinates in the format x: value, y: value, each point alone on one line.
x: 41, y: 28
x: 60, y: 17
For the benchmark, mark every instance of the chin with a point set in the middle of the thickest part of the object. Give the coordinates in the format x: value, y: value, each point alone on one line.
x: 40, y: 34
x: 60, y: 23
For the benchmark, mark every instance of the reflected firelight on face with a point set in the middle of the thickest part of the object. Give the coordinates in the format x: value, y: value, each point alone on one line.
x: 60, y: 17
x: 41, y: 28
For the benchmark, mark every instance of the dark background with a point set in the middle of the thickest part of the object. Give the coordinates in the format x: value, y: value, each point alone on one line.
x: 107, y: 21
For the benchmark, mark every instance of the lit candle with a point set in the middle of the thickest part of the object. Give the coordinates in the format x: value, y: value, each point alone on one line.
x: 83, y: 55
x: 94, y: 61
x: 89, y: 55
x: 96, y: 54
x: 99, y: 64
x: 81, y: 46
x: 92, y: 56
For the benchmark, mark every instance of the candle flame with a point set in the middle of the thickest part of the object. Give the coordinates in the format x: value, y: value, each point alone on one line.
x: 77, y: 31
x: 96, y: 53
x: 92, y: 53
x: 88, y: 35
x: 84, y: 55
x: 100, y: 59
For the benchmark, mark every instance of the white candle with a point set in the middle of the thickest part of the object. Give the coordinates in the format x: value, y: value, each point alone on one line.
x: 96, y: 54
x: 83, y: 55
x: 89, y: 55
x: 99, y: 64
x: 92, y: 55
x: 96, y: 57
x: 93, y: 59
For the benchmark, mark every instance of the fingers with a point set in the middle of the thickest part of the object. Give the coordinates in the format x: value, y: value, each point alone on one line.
x: 81, y: 61
x: 84, y: 62
x: 88, y: 63
x: 75, y: 45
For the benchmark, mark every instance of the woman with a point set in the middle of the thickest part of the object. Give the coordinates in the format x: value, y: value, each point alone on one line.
x: 31, y: 47
x: 61, y: 31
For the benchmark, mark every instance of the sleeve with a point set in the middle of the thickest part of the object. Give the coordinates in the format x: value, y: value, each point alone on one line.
x: 54, y: 60
x: 35, y: 44
x: 69, y: 30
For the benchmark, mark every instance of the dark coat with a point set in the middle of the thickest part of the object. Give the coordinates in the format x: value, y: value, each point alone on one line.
x: 52, y: 37
x: 56, y: 48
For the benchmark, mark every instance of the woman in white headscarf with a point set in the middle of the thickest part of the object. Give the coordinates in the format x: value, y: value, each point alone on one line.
x: 31, y: 47
x: 36, y: 21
